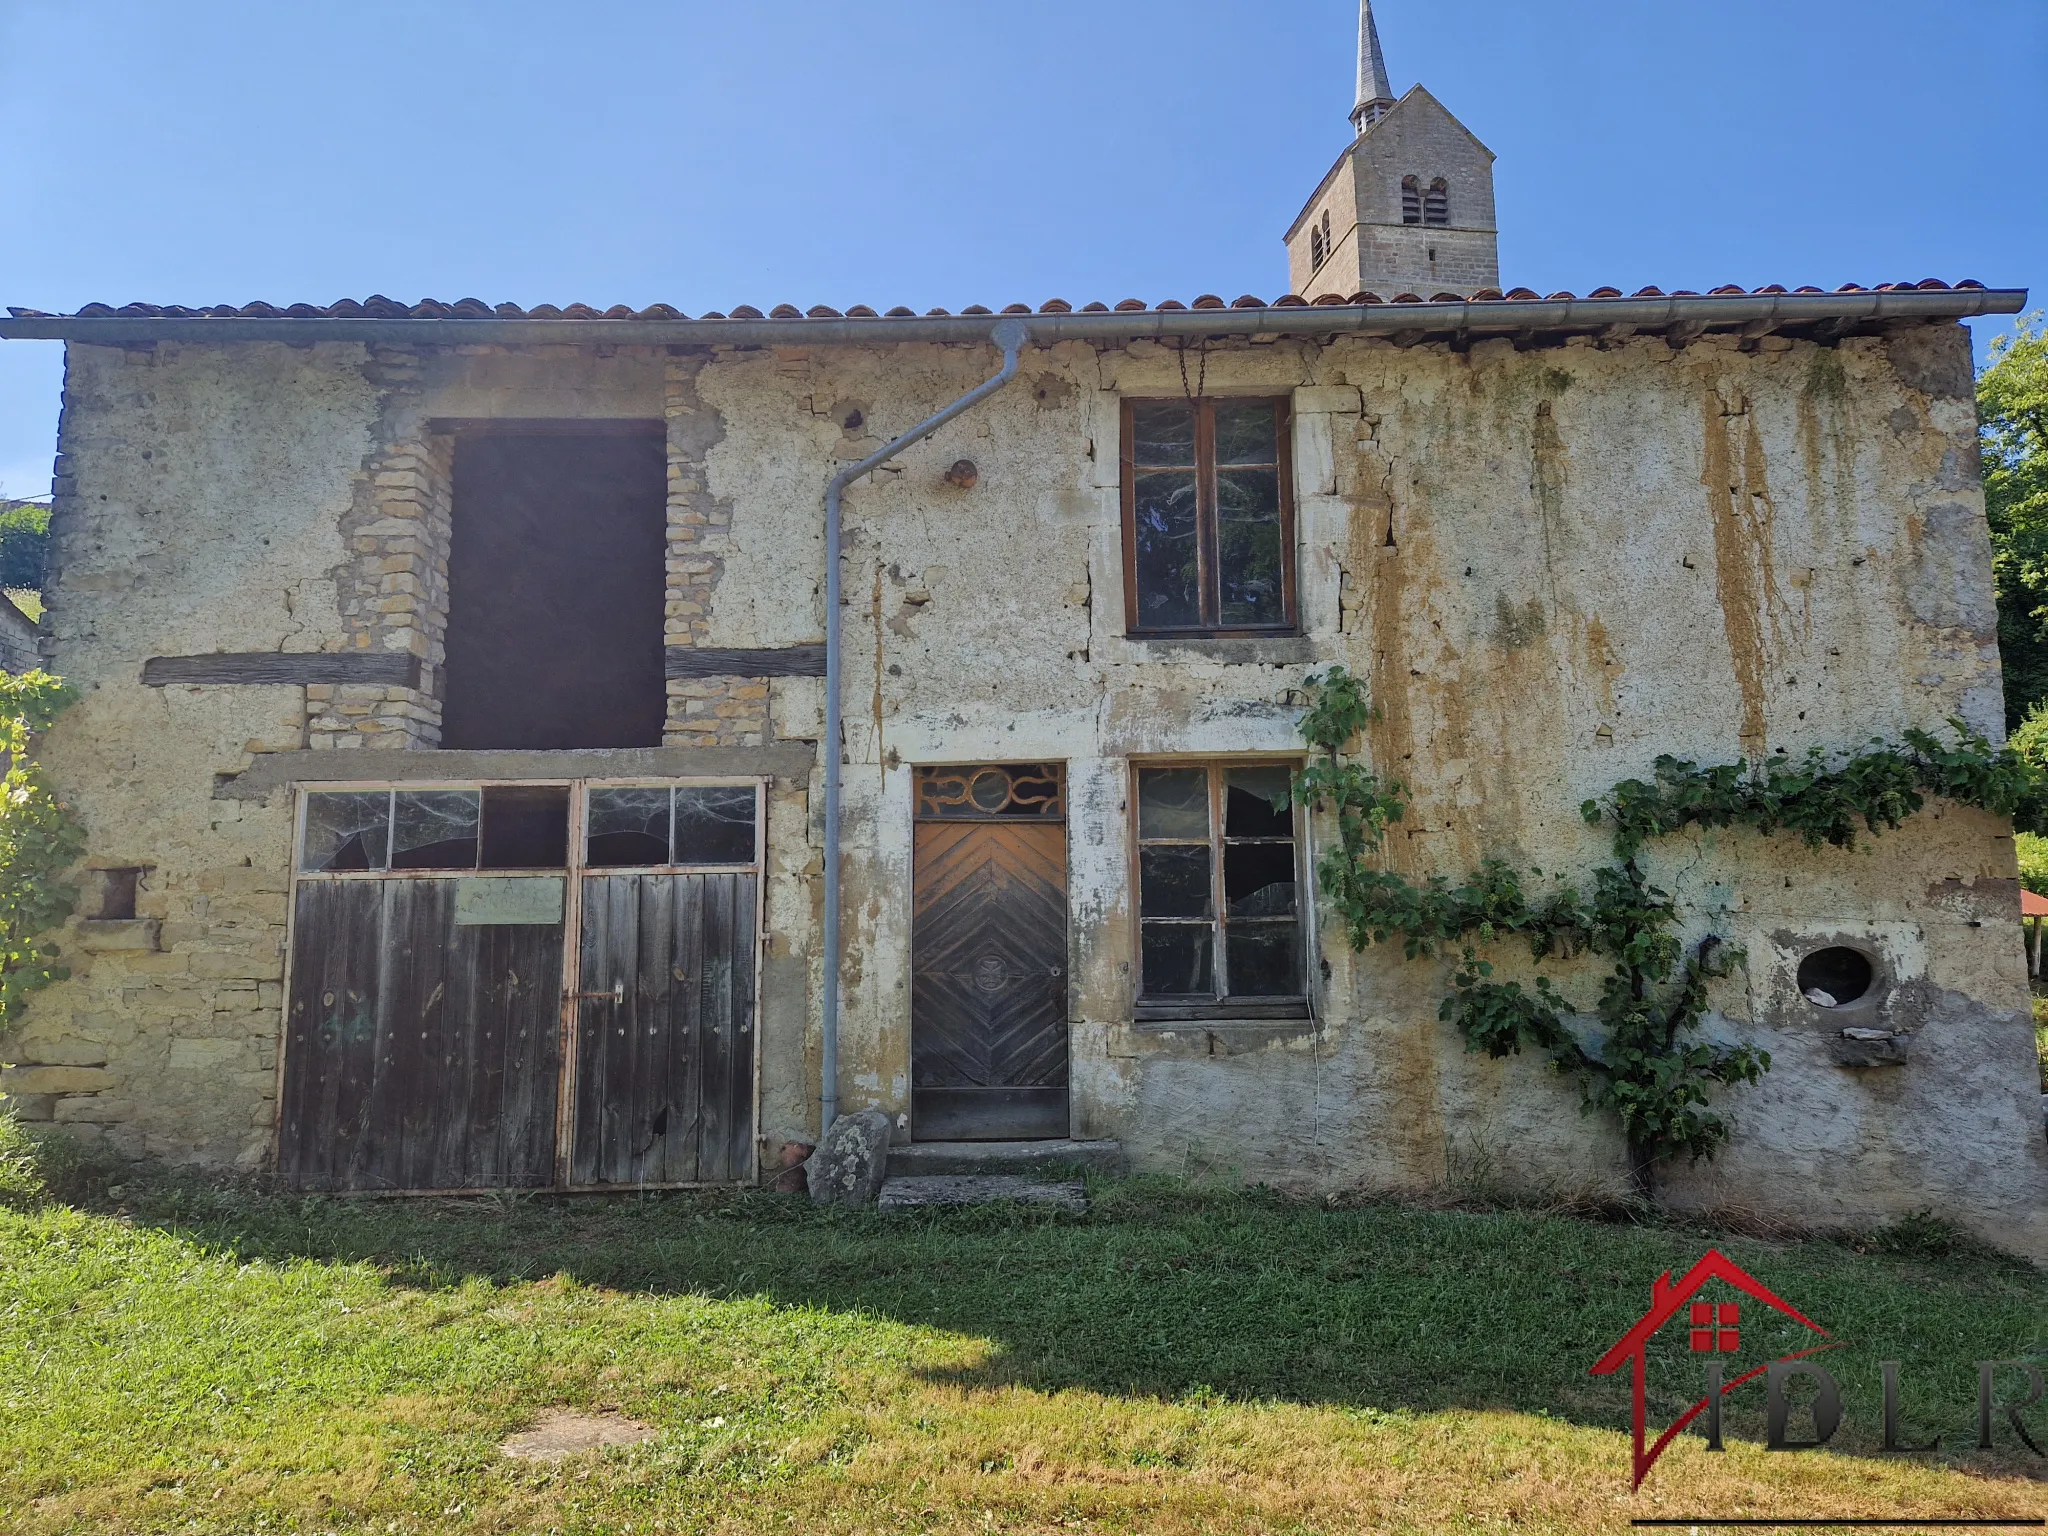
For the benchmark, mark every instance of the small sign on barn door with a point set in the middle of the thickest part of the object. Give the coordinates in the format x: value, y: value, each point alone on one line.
x: 988, y: 991
x: 522, y: 986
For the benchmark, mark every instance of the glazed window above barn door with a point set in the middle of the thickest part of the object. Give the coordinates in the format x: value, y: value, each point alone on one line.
x: 502, y: 826
x: 1208, y: 517
x: 1219, y: 893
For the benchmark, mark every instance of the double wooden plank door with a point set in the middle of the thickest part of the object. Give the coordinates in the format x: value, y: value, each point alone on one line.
x: 584, y: 1029
x: 988, y: 997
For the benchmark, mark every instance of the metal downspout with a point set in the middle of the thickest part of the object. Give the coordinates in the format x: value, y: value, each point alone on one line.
x: 1011, y: 335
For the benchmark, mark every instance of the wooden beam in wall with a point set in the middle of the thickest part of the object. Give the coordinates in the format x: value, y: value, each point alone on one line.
x: 388, y: 669
x: 782, y: 661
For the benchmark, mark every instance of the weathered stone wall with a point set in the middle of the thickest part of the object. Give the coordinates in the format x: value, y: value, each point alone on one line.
x: 1552, y: 566
x: 201, y: 502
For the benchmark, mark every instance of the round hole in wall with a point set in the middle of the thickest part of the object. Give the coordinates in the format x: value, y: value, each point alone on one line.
x: 1836, y: 976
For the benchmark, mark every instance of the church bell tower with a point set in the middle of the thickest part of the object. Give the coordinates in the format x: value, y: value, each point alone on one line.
x: 1407, y: 208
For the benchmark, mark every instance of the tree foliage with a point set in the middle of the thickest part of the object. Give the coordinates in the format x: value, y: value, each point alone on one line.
x: 39, y: 840
x: 1643, y: 1060
x: 2012, y: 413
x: 24, y: 543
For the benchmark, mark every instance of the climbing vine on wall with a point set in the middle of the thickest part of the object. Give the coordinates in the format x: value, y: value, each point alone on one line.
x: 38, y: 842
x: 1646, y: 1063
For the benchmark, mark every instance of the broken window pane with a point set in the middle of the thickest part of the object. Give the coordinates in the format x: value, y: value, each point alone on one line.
x: 715, y: 825
x: 1248, y: 803
x: 1168, y: 552
x: 1265, y: 960
x: 1176, y: 960
x: 526, y: 827
x: 349, y: 831
x: 1173, y: 803
x: 1248, y: 548
x: 1258, y: 879
x: 628, y: 828
x: 1174, y: 881
x: 434, y: 829
x: 1162, y: 433
x: 1245, y: 432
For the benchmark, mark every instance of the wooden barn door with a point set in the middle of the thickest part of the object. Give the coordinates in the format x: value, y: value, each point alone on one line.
x: 422, y: 1052
x: 665, y: 1034
x: 988, y: 996
x: 522, y: 986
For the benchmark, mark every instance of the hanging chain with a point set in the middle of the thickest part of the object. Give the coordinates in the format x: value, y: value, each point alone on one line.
x: 1202, y: 378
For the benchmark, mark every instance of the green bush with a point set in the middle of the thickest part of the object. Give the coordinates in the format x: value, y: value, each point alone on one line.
x: 2033, y: 852
x: 24, y: 543
x: 39, y: 840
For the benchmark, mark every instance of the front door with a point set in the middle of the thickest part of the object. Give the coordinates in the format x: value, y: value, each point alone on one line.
x: 988, y: 993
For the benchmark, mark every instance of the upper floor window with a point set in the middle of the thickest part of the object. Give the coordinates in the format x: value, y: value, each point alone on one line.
x: 1208, y: 516
x: 1436, y: 203
x: 1411, y: 200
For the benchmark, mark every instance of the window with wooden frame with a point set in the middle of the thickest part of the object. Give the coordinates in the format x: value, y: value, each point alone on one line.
x: 1208, y: 517
x: 1220, y: 925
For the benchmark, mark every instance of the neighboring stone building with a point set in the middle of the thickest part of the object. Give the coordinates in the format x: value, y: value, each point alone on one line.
x: 453, y: 695
x: 20, y: 638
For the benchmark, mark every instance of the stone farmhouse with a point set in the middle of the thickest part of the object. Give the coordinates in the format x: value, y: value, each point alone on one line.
x: 564, y: 748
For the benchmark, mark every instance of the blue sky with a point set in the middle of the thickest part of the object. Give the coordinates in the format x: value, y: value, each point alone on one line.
x: 962, y: 151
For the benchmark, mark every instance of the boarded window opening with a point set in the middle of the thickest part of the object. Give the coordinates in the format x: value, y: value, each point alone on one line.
x: 555, y: 592
x: 1411, y: 200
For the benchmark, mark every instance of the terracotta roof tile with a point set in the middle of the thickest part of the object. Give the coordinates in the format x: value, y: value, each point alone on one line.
x: 378, y: 306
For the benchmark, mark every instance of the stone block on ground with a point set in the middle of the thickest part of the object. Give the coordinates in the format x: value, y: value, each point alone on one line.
x: 904, y: 1194
x: 851, y: 1162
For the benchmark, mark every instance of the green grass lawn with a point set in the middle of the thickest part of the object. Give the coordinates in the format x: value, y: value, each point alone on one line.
x: 182, y: 1357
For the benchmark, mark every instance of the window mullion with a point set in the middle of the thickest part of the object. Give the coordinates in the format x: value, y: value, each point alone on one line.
x: 1216, y: 888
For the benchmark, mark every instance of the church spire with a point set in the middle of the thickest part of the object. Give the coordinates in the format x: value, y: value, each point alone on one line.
x: 1375, y: 94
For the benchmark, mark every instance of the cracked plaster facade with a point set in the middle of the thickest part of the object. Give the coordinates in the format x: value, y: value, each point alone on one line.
x: 1552, y: 566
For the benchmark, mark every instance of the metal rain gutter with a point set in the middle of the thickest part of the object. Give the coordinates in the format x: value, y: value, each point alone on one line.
x: 1011, y: 334
x: 1466, y: 317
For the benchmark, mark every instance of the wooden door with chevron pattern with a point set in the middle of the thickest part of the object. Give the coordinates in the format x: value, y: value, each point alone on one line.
x: 988, y: 994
